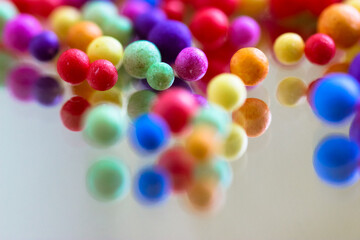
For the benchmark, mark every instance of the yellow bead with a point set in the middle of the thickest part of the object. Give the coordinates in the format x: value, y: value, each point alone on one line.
x: 236, y: 143
x: 107, y: 48
x: 291, y: 91
x: 227, y: 90
x: 110, y: 96
x: 62, y: 19
x: 352, y: 52
x: 289, y: 48
x: 354, y: 3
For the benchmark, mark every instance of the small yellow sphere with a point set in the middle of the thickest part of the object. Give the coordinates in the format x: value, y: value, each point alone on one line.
x: 354, y: 3
x: 110, y: 96
x: 62, y: 19
x: 227, y: 90
x: 107, y: 48
x: 236, y: 143
x: 289, y: 48
x: 291, y: 91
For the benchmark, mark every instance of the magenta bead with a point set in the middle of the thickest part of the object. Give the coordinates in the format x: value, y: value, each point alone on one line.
x: 191, y: 64
x: 244, y: 32
x: 132, y: 9
x: 19, y: 31
x: 202, y: 101
x: 21, y: 81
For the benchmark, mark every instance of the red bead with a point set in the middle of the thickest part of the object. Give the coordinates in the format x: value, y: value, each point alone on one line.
x: 102, y: 75
x: 309, y: 94
x: 316, y: 7
x: 179, y: 164
x: 227, y: 6
x: 210, y: 27
x: 72, y: 113
x: 176, y: 106
x: 37, y: 7
x: 174, y: 9
x: 320, y: 49
x: 286, y: 8
x: 73, y: 66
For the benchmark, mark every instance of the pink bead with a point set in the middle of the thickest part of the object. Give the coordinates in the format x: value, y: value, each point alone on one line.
x: 191, y: 64
x: 132, y: 9
x: 244, y: 32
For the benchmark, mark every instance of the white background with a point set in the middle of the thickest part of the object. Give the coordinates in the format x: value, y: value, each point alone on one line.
x: 275, y: 194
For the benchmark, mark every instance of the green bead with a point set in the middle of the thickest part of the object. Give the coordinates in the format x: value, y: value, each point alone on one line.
x: 6, y: 62
x: 214, y: 116
x: 140, y: 103
x: 105, y: 125
x: 139, y: 56
x: 120, y: 28
x: 124, y: 79
x: 99, y: 12
x: 160, y: 76
x: 108, y: 179
x: 7, y: 12
x: 220, y: 170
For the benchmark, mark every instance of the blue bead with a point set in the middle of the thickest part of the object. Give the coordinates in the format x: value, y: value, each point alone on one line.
x: 336, y: 97
x: 45, y: 46
x: 336, y: 160
x: 145, y: 22
x: 150, y: 132
x: 152, y: 185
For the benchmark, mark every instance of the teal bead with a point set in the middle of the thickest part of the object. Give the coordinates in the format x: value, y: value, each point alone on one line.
x: 99, y: 12
x: 7, y: 12
x: 108, y: 179
x: 160, y: 76
x: 140, y: 102
x: 214, y: 116
x: 6, y: 62
x: 219, y: 170
x: 119, y: 28
x: 139, y: 56
x: 105, y: 125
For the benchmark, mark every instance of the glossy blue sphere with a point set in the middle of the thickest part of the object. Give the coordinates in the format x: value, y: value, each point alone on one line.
x: 336, y: 160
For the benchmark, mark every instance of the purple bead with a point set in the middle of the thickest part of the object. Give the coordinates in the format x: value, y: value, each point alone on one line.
x: 48, y: 91
x: 244, y: 32
x: 354, y: 69
x: 21, y: 81
x: 191, y: 64
x: 19, y: 31
x: 201, y: 100
x: 170, y: 37
x: 145, y: 22
x: 44, y: 46
x: 354, y: 130
x: 132, y: 9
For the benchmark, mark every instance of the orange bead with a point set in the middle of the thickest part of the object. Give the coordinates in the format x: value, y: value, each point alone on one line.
x: 254, y: 116
x: 83, y: 90
x: 202, y: 143
x: 342, y: 23
x: 204, y: 195
x: 338, y: 68
x: 82, y: 34
x: 251, y: 65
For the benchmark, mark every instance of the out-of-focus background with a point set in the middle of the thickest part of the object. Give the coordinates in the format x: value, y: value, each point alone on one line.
x: 275, y: 194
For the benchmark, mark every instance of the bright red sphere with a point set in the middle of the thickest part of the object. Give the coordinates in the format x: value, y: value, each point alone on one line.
x: 316, y: 7
x: 320, y: 49
x: 286, y: 8
x: 176, y: 106
x: 102, y: 75
x: 72, y: 113
x: 174, y: 9
x: 179, y: 164
x: 37, y: 7
x: 73, y: 66
x: 210, y: 27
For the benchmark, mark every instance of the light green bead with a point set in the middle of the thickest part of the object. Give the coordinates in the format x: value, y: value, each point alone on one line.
x: 7, y: 12
x: 219, y: 170
x: 108, y: 179
x: 124, y: 79
x: 105, y: 125
x: 120, y: 28
x: 160, y: 76
x: 99, y: 12
x: 139, y: 56
x: 140, y: 103
x: 214, y: 116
